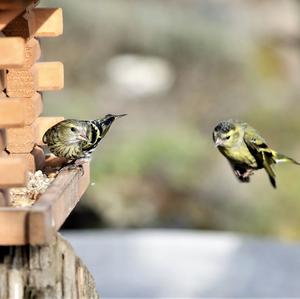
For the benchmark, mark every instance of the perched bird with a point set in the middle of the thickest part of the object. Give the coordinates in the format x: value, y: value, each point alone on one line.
x: 75, y: 140
x: 246, y: 150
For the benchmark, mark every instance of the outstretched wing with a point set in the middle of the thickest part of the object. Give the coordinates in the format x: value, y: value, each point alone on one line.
x: 263, y: 155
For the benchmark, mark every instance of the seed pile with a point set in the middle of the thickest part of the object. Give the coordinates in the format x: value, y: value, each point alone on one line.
x: 26, y: 196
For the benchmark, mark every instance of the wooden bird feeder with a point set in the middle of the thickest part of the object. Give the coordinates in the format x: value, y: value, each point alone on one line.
x: 51, y: 269
x: 22, y: 81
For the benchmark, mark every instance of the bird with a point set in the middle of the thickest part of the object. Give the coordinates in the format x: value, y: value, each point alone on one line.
x: 75, y: 140
x: 246, y: 150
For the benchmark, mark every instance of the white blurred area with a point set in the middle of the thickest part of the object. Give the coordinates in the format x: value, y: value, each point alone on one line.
x: 138, y: 75
x: 188, y: 264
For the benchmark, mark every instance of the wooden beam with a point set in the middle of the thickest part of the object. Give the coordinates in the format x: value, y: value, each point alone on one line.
x: 2, y: 140
x: 18, y: 112
x: 37, y: 224
x: 2, y: 80
x: 13, y: 172
x: 35, y: 160
x: 13, y: 223
x: 21, y: 140
x: 48, y: 22
x: 61, y: 197
x: 49, y: 76
x: 12, y: 52
x: 16, y: 4
x: 6, y: 16
x: 20, y: 83
x: 12, y: 113
x: 41, y: 77
x: 39, y: 22
x: 32, y: 52
x: 4, y: 197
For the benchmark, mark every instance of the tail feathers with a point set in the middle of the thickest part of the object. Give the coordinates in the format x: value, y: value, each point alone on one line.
x: 279, y: 158
x: 267, y: 166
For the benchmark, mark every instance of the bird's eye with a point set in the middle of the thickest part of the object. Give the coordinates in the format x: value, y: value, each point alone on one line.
x: 227, y: 137
x: 73, y: 129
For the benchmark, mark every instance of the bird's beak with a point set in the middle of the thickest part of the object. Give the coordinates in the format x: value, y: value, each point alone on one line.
x: 218, y: 142
x: 83, y: 137
x: 119, y: 115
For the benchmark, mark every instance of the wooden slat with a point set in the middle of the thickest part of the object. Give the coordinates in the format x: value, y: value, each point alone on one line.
x: 12, y: 113
x: 2, y: 80
x: 49, y: 76
x: 40, y: 225
x: 16, y: 4
x: 43, y: 124
x: 20, y: 83
x: 2, y: 140
x: 21, y: 26
x: 17, y: 112
x: 13, y: 223
x: 13, y: 172
x: 4, y: 197
x: 32, y: 52
x: 48, y: 22
x: 12, y: 52
x: 61, y: 197
x: 33, y: 108
x: 21, y: 140
x: 34, y: 160
x: 42, y: 76
x: 6, y: 16
x: 39, y: 22
x: 36, y: 224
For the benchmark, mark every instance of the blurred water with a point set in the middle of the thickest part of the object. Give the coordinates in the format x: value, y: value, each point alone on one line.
x: 183, y: 263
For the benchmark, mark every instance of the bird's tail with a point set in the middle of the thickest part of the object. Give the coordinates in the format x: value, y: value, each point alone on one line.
x: 279, y: 158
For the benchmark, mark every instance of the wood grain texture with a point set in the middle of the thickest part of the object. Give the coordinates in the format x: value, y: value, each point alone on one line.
x: 18, y: 112
x: 12, y: 52
x: 2, y: 140
x: 35, y: 160
x: 17, y: 4
x: 37, y: 224
x: 13, y: 172
x: 48, y: 22
x: 12, y: 113
x: 49, y: 76
x: 6, y: 16
x: 48, y: 271
x: 21, y: 140
x: 36, y: 22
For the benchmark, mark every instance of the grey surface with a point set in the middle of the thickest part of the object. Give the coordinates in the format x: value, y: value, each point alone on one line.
x: 178, y: 263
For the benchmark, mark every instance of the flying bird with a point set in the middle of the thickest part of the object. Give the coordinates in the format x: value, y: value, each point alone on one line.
x: 246, y: 150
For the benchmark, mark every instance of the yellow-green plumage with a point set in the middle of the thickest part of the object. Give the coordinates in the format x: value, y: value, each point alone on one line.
x: 77, y: 139
x: 246, y: 150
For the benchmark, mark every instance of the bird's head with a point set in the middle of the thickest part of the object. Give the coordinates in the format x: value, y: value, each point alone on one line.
x: 226, y: 134
x: 73, y: 131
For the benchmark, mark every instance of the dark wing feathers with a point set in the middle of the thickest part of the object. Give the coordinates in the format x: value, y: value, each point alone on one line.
x: 261, y: 152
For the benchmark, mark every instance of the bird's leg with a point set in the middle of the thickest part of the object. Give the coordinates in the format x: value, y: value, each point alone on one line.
x: 247, y: 173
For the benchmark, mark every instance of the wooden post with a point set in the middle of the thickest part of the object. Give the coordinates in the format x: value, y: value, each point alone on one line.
x: 48, y: 271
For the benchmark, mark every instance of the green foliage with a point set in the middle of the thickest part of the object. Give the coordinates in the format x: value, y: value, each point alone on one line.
x: 175, y: 154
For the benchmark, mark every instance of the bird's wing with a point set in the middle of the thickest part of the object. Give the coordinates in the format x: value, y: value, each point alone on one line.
x: 263, y: 155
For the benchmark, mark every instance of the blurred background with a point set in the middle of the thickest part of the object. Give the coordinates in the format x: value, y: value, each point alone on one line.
x: 177, y: 68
